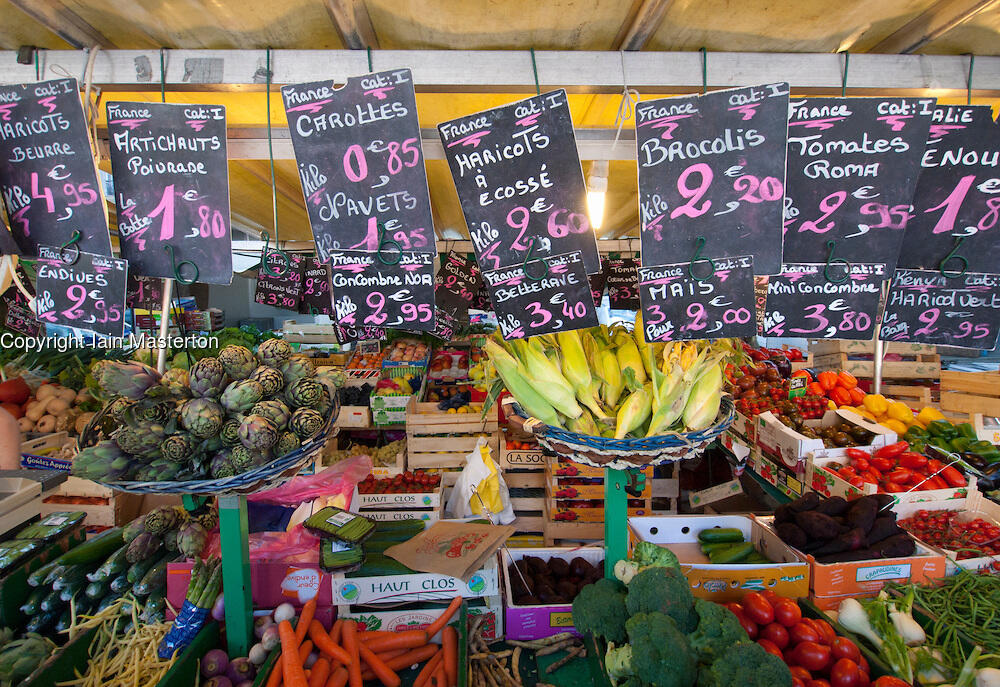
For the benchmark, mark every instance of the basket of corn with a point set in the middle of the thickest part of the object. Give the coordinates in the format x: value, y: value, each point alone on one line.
x: 634, y: 404
x: 235, y: 423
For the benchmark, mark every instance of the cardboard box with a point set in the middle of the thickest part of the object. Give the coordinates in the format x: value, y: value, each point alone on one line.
x: 544, y: 620
x: 746, y: 427
x: 787, y: 576
x: 827, y: 482
x: 385, y: 515
x: 780, y: 442
x: 737, y: 445
x: 787, y: 481
x: 975, y: 506
x: 418, y: 616
x: 416, y: 587
x: 271, y: 584
x: 431, y: 499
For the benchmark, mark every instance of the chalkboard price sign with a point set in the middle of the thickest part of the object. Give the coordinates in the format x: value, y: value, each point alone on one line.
x: 171, y: 178
x: 360, y: 162
x: 801, y: 301
x: 457, y: 283
x: 559, y: 301
x: 623, y: 283
x: 760, y: 300
x: 518, y: 175
x: 853, y: 165
x: 20, y: 319
x: 8, y: 246
x: 368, y: 293
x: 958, y: 193
x: 143, y: 292
x: 280, y: 292
x: 713, y: 165
x: 926, y: 307
x: 48, y: 178
x: 597, y: 283
x: 444, y: 325
x: 315, y: 288
x: 676, y: 306
x: 88, y: 293
x: 349, y: 334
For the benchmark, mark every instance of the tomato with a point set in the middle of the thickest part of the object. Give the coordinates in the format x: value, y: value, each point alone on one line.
x: 771, y: 648
x: 863, y: 663
x: 900, y: 476
x: 882, y: 464
x: 811, y: 656
x: 797, y: 682
x: 862, y: 465
x: 953, y: 477
x: 801, y: 632
x: 735, y: 608
x: 826, y: 632
x: 787, y: 612
x: 842, y: 647
x: 913, y: 461
x: 775, y: 632
x: 845, y: 673
x: 892, y: 488
x: 749, y: 626
x: 800, y: 673
x: 758, y: 609
x: 892, y: 450
x: 890, y: 681
x: 771, y: 596
x: 818, y: 683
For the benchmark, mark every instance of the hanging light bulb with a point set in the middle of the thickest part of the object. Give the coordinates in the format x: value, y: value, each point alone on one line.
x: 597, y: 190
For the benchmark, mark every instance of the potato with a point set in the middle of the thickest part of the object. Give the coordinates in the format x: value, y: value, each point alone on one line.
x: 45, y: 391
x: 35, y: 412
x: 67, y: 395
x: 26, y: 424
x: 83, y: 395
x: 47, y: 424
x: 57, y: 406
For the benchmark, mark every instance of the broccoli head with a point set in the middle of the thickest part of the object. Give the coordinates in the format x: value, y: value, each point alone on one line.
x: 718, y: 629
x: 746, y: 664
x: 645, y: 555
x: 657, y: 653
x: 600, y: 608
x: 663, y: 590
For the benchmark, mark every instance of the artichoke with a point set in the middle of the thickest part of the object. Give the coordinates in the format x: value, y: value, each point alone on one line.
x: 161, y: 519
x: 325, y: 404
x: 207, y: 517
x: 117, y: 408
x: 270, y: 379
x: 287, y: 442
x: 273, y: 352
x: 304, y: 393
x: 238, y: 361
x: 130, y: 379
x: 229, y: 430
x: 306, y: 423
x: 258, y: 433
x: 178, y: 448
x: 191, y: 539
x: 141, y: 440
x: 222, y: 466
x: 241, y: 458
x: 176, y: 375
x: 21, y: 657
x: 296, y: 367
x: 103, y: 461
x: 208, y: 378
x: 202, y: 417
x: 142, y: 547
x: 275, y: 411
x: 170, y: 541
x: 241, y: 395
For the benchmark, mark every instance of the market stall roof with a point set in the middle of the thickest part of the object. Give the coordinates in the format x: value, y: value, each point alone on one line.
x: 949, y: 27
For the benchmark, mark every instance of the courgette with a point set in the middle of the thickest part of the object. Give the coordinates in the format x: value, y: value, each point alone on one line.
x: 64, y: 620
x: 118, y: 585
x: 92, y: 551
x: 108, y: 600
x: 30, y: 605
x: 37, y: 578
x: 114, y: 564
x: 156, y: 602
x: 73, y: 575
x: 50, y: 603
x: 140, y: 568
x: 154, y: 578
x: 721, y: 534
x: 40, y: 622
x: 715, y: 546
x: 96, y: 590
x: 69, y: 590
x: 734, y: 554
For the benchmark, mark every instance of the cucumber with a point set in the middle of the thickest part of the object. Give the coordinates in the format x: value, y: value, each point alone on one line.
x: 54, y: 574
x: 154, y: 578
x: 140, y: 568
x: 715, y: 546
x: 756, y: 557
x: 64, y: 620
x: 734, y: 554
x: 70, y: 590
x: 37, y: 578
x: 96, y: 590
x: 40, y: 622
x: 118, y: 585
x: 108, y: 600
x: 721, y: 534
x: 30, y: 605
x: 114, y: 564
x: 50, y: 603
x: 73, y: 575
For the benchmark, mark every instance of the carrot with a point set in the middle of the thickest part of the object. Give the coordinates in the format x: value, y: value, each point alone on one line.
x: 404, y: 659
x: 277, y: 673
x: 336, y: 630
x: 338, y: 678
x: 304, y: 650
x: 449, y: 647
x: 425, y: 675
x: 327, y: 645
x: 407, y: 639
x: 440, y: 678
x: 320, y: 672
x: 372, y: 634
x: 384, y: 673
x: 291, y: 664
x: 443, y: 619
x: 350, y: 637
x: 308, y: 611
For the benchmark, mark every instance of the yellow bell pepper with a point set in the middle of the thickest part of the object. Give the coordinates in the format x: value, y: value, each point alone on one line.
x: 876, y: 404
x: 927, y: 415
x: 830, y: 405
x: 900, y: 411
x: 864, y: 412
x: 895, y: 425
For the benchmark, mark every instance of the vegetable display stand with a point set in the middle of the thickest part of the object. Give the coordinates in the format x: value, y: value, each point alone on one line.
x: 919, y: 361
x: 968, y: 395
x: 442, y: 440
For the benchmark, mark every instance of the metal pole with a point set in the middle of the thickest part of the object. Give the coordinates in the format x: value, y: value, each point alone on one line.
x: 161, y: 356
x: 879, y: 346
x: 234, y: 534
x: 615, y: 519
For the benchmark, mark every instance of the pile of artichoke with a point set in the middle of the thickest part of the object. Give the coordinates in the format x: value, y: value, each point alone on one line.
x: 227, y: 415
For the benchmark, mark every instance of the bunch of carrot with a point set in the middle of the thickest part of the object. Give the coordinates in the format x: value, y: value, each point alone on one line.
x: 349, y: 657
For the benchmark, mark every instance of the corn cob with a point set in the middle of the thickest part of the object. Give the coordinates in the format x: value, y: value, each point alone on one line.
x: 703, y: 402
x: 636, y: 408
x: 628, y: 358
x: 547, y: 380
x: 513, y: 376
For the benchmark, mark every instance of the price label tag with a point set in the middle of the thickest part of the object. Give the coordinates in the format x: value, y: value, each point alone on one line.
x: 371, y: 334
x: 623, y: 283
x: 801, y: 301
x: 48, y: 178
x: 88, y: 294
x: 360, y: 162
x: 143, y: 292
x: 597, y: 284
x: 368, y: 293
x: 853, y: 165
x: 958, y: 193
x: 315, y: 288
x: 926, y: 307
x: 457, y: 283
x: 676, y: 306
x: 559, y: 301
x: 713, y: 165
x: 171, y: 178
x: 444, y: 325
x: 483, y: 300
x: 760, y: 300
x: 283, y: 291
x: 518, y: 175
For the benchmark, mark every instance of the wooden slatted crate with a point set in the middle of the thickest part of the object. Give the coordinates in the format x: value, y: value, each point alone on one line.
x: 916, y: 397
x: 919, y: 361
x: 441, y: 440
x: 966, y: 395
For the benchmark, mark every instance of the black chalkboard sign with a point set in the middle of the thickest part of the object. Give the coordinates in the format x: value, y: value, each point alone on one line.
x: 925, y: 307
x: 676, y: 306
x: 88, y: 293
x: 143, y: 292
x: 352, y: 334
x: 457, y: 283
x: 283, y: 291
x: 483, y: 301
x: 369, y: 293
x: 760, y: 300
x: 958, y: 193
x: 623, y: 283
x: 8, y: 246
x: 853, y: 165
x: 801, y: 301
x: 360, y: 162
x: 713, y: 165
x: 20, y: 319
x: 518, y: 175
x: 559, y: 301
x: 598, y: 281
x: 315, y: 288
x: 48, y: 178
x: 444, y: 325
x: 171, y: 179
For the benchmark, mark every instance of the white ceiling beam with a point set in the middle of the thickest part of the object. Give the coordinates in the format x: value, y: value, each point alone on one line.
x: 60, y: 20
x: 350, y: 18
x: 931, y: 24
x: 642, y: 22
x: 509, y: 71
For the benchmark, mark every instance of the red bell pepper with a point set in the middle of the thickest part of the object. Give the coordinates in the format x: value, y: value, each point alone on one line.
x: 815, y: 389
x: 827, y: 379
x: 839, y: 395
x: 803, y: 373
x: 857, y: 396
x: 847, y: 380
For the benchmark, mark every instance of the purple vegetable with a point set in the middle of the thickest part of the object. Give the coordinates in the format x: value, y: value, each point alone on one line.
x: 245, y: 683
x: 241, y: 669
x: 270, y: 638
x: 219, y: 608
x: 218, y: 681
x: 260, y: 624
x: 214, y: 663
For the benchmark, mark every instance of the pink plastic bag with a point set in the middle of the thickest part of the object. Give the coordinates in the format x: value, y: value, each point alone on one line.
x: 297, y: 545
x: 339, y: 478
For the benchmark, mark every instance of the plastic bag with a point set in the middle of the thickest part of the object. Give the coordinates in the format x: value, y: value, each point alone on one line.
x: 336, y: 480
x: 187, y: 624
x: 480, y: 489
x: 297, y: 545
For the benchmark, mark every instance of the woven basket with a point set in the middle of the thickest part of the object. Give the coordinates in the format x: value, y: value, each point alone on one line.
x: 621, y: 454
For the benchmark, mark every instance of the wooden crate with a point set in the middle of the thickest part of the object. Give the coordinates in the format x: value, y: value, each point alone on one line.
x: 919, y: 361
x: 115, y: 510
x: 820, y: 347
x: 966, y: 395
x: 442, y: 440
x: 916, y: 397
x: 803, y: 364
x: 561, y: 533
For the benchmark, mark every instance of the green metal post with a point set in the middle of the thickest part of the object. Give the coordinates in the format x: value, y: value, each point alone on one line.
x: 192, y: 502
x: 615, y: 519
x: 234, y: 531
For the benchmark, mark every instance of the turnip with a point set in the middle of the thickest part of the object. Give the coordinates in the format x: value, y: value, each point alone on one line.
x: 219, y: 608
x: 213, y: 663
x: 241, y: 669
x: 246, y: 683
x: 218, y: 681
x: 270, y: 638
x: 260, y: 624
x: 258, y: 654
x: 284, y: 612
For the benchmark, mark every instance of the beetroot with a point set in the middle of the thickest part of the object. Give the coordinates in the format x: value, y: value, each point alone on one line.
x: 218, y: 681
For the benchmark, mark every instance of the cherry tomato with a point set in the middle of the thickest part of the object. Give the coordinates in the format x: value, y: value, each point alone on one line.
x: 842, y: 647
x: 771, y: 648
x: 811, y: 656
x: 826, y: 632
x: 818, y: 683
x: 800, y: 673
x: 890, y: 681
x: 787, y: 612
x: 758, y: 609
x: 775, y: 632
x: 845, y: 673
x: 801, y: 632
x: 749, y: 626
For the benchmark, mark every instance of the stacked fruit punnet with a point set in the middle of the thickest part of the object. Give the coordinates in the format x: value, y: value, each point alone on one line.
x: 229, y: 414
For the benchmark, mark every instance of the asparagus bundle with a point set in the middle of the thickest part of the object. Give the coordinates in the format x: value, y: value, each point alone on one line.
x: 206, y: 576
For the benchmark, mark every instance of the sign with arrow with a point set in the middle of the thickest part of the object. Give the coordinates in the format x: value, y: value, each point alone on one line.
x: 87, y: 293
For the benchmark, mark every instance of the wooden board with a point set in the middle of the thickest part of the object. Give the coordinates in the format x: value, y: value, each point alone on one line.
x: 914, y: 396
x: 524, y: 479
x: 826, y: 347
x: 447, y: 451
x: 924, y: 366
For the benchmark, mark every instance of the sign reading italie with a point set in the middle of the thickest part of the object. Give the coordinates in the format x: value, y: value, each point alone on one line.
x: 88, y: 293
x: 276, y: 289
x: 369, y: 293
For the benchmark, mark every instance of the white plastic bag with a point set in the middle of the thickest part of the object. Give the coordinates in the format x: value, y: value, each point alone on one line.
x: 478, y: 488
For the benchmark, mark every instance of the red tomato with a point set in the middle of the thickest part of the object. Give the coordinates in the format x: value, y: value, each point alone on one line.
x: 800, y: 673
x: 758, y: 609
x: 842, y: 647
x: 749, y: 626
x: 818, y: 683
x: 770, y: 596
x: 735, y: 608
x: 771, y: 648
x: 953, y: 477
x: 826, y: 632
x: 787, y: 612
x: 801, y: 632
x: 881, y: 464
x: 797, y: 682
x: 913, y: 461
x: 775, y: 632
x: 890, y: 681
x: 892, y: 450
x: 863, y: 664
x: 845, y: 673
x: 862, y: 465
x: 811, y: 656
x: 900, y: 476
